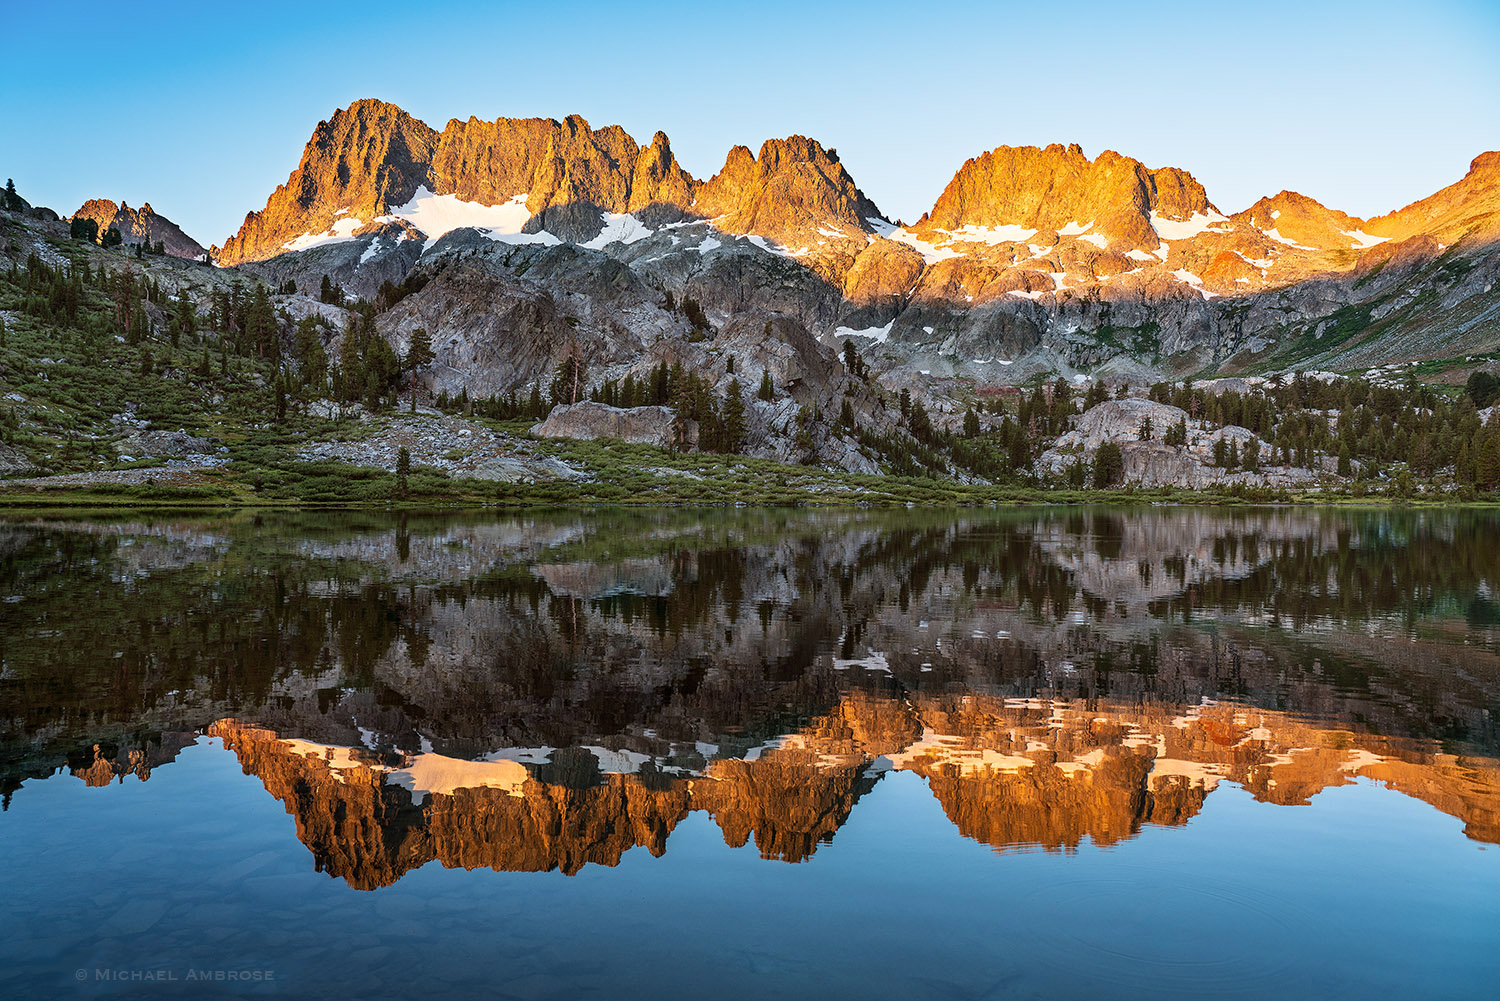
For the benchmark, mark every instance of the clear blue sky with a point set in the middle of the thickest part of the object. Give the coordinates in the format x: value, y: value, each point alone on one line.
x: 203, y: 108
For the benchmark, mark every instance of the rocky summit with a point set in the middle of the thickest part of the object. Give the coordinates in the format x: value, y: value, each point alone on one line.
x: 140, y: 226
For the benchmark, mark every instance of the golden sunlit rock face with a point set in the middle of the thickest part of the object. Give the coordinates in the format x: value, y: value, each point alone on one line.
x: 1020, y: 221
x: 1009, y: 773
x: 373, y: 156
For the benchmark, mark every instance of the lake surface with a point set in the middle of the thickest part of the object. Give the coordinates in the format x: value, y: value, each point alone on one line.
x: 661, y: 754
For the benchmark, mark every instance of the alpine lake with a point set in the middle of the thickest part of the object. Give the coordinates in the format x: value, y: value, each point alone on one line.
x: 1167, y: 752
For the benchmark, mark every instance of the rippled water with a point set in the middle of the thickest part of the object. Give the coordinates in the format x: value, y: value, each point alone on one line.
x: 1167, y: 753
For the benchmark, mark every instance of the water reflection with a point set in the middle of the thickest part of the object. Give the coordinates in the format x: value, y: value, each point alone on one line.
x: 546, y: 693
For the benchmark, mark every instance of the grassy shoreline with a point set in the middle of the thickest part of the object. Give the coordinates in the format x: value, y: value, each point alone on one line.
x: 478, y: 495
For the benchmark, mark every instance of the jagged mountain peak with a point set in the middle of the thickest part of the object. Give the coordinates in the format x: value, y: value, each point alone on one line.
x: 371, y: 164
x: 372, y: 157
x: 794, y: 192
x: 143, y: 225
x: 1057, y: 189
x: 1300, y: 222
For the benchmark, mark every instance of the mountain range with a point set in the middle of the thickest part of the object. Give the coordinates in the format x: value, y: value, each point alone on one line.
x: 532, y: 237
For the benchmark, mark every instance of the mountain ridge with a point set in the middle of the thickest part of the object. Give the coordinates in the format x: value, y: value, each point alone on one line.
x: 373, y: 156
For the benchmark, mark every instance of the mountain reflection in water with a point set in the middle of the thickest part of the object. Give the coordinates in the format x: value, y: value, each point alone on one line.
x: 547, y: 692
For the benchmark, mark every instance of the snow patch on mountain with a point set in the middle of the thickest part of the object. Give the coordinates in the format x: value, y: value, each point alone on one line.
x: 876, y: 335
x: 438, y: 215
x: 1363, y: 240
x: 375, y: 247
x: 1271, y: 234
x: 992, y: 235
x: 619, y: 227
x: 773, y: 248
x: 1186, y: 229
x: 340, y: 232
x: 931, y: 253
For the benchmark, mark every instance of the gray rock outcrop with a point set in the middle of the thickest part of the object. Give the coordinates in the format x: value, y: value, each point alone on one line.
x: 13, y: 463
x: 165, y: 444
x: 1153, y: 463
x: 639, y: 425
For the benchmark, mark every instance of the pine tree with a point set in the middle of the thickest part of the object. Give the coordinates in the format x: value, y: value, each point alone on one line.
x: 852, y: 361
x: 312, y: 360
x: 1109, y: 465
x: 1463, y: 465
x: 732, y: 419
x: 403, y: 470
x: 418, y: 354
x: 921, y: 424
x: 12, y: 199
x: 1020, y: 450
x: 187, y: 317
x: 767, y: 391
x: 1147, y: 430
x: 1487, y: 457
x: 351, y: 365
x: 570, y: 381
x: 971, y: 423
x: 1250, y: 458
x: 260, y: 325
